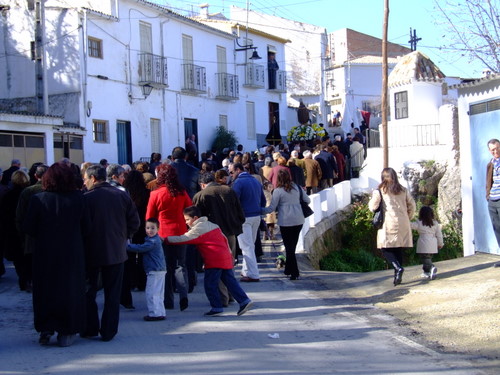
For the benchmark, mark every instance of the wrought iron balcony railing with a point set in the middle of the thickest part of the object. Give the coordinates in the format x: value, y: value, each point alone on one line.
x: 153, y: 70
x: 195, y: 78
x: 227, y: 86
x: 278, y: 82
x: 254, y: 75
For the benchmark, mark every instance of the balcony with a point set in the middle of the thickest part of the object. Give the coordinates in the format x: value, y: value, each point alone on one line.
x: 153, y: 70
x: 278, y: 84
x: 228, y: 86
x: 254, y: 76
x: 195, y: 79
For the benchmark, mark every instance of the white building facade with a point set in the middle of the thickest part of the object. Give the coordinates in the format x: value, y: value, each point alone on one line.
x: 128, y: 78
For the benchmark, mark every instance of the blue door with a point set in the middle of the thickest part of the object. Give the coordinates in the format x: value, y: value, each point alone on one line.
x: 124, y: 141
x: 483, y: 127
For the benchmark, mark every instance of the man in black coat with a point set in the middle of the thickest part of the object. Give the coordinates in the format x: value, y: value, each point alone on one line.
x: 328, y: 167
x: 110, y: 220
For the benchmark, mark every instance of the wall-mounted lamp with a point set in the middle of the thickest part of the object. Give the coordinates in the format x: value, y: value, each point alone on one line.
x: 255, y: 55
x: 146, y: 90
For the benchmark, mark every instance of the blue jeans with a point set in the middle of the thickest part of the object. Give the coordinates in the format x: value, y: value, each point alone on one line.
x: 211, y: 281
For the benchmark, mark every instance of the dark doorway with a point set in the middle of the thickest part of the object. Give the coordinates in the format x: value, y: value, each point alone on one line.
x: 191, y: 128
x: 274, y: 136
x: 124, y: 142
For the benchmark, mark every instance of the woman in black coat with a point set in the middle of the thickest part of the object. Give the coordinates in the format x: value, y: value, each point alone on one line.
x: 13, y: 240
x: 54, y: 221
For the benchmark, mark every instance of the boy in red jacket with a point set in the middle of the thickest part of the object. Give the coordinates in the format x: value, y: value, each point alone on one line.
x: 213, y: 246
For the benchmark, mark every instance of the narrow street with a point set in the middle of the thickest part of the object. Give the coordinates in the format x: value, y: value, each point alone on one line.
x: 294, y: 327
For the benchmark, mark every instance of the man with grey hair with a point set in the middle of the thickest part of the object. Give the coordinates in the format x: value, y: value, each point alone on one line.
x: 116, y: 176
x: 313, y: 173
x: 493, y: 187
x: 110, y: 219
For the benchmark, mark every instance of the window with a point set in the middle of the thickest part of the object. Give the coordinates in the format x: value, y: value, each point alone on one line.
x: 401, y: 104
x: 223, y: 121
x: 100, y: 131
x: 221, y: 60
x: 146, y: 37
x: 95, y: 47
x: 489, y: 106
x: 250, y: 120
x: 187, y: 49
x: 155, y: 135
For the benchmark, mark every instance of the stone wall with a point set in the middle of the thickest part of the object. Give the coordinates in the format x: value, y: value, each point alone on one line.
x: 324, y: 238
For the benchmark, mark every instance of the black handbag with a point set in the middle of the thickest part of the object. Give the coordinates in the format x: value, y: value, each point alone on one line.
x: 306, y: 210
x: 378, y: 215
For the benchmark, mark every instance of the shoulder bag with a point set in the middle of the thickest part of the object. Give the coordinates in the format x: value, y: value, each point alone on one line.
x: 306, y: 210
x: 378, y: 216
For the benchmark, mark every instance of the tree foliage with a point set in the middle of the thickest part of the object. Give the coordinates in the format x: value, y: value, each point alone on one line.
x: 474, y: 27
x: 224, y: 139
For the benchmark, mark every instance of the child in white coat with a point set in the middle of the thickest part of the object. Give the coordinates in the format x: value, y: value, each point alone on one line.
x: 429, y: 241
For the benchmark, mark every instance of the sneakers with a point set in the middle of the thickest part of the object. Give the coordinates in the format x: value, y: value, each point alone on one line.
x: 243, y: 309
x: 433, y: 273
x: 148, y: 318
x: 213, y: 313
x: 425, y: 275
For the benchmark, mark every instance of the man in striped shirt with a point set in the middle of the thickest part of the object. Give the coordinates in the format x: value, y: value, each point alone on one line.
x: 493, y: 186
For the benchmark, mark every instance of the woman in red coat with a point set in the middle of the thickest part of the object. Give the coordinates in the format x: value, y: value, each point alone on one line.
x: 167, y: 204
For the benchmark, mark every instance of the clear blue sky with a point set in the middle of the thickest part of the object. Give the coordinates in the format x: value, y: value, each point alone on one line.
x: 365, y: 16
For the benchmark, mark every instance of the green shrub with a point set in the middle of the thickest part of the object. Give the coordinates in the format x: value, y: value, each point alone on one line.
x: 224, y: 138
x: 347, y: 260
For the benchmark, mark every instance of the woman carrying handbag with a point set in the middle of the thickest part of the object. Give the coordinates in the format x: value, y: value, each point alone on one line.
x: 286, y: 201
x: 398, y: 208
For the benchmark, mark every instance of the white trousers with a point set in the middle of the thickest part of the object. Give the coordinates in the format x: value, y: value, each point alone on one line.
x: 155, y: 293
x: 246, y: 240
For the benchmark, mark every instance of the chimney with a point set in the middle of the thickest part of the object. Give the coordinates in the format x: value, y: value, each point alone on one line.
x: 204, y: 10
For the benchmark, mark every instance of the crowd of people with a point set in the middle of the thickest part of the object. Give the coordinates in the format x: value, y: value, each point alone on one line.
x: 72, y: 230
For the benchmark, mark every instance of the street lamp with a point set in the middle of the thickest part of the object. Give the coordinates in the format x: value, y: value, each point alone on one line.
x: 146, y: 90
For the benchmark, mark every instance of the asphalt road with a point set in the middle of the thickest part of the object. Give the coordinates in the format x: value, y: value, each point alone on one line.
x: 294, y: 327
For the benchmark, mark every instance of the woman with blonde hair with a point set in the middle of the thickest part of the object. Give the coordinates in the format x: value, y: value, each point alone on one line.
x: 399, y: 208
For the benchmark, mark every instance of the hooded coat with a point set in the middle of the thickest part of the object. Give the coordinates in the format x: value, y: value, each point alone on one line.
x: 398, y: 211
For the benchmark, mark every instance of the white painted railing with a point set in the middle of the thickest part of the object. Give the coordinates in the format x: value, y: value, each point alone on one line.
x: 324, y: 204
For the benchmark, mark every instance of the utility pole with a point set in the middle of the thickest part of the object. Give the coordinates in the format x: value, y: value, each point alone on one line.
x: 413, y: 39
x: 385, y: 84
x: 40, y: 58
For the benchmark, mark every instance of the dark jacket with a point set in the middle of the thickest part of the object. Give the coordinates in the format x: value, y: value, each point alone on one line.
x: 221, y: 206
x: 110, y: 219
x: 489, y: 179
x: 188, y: 176
x: 327, y: 163
x: 54, y: 221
